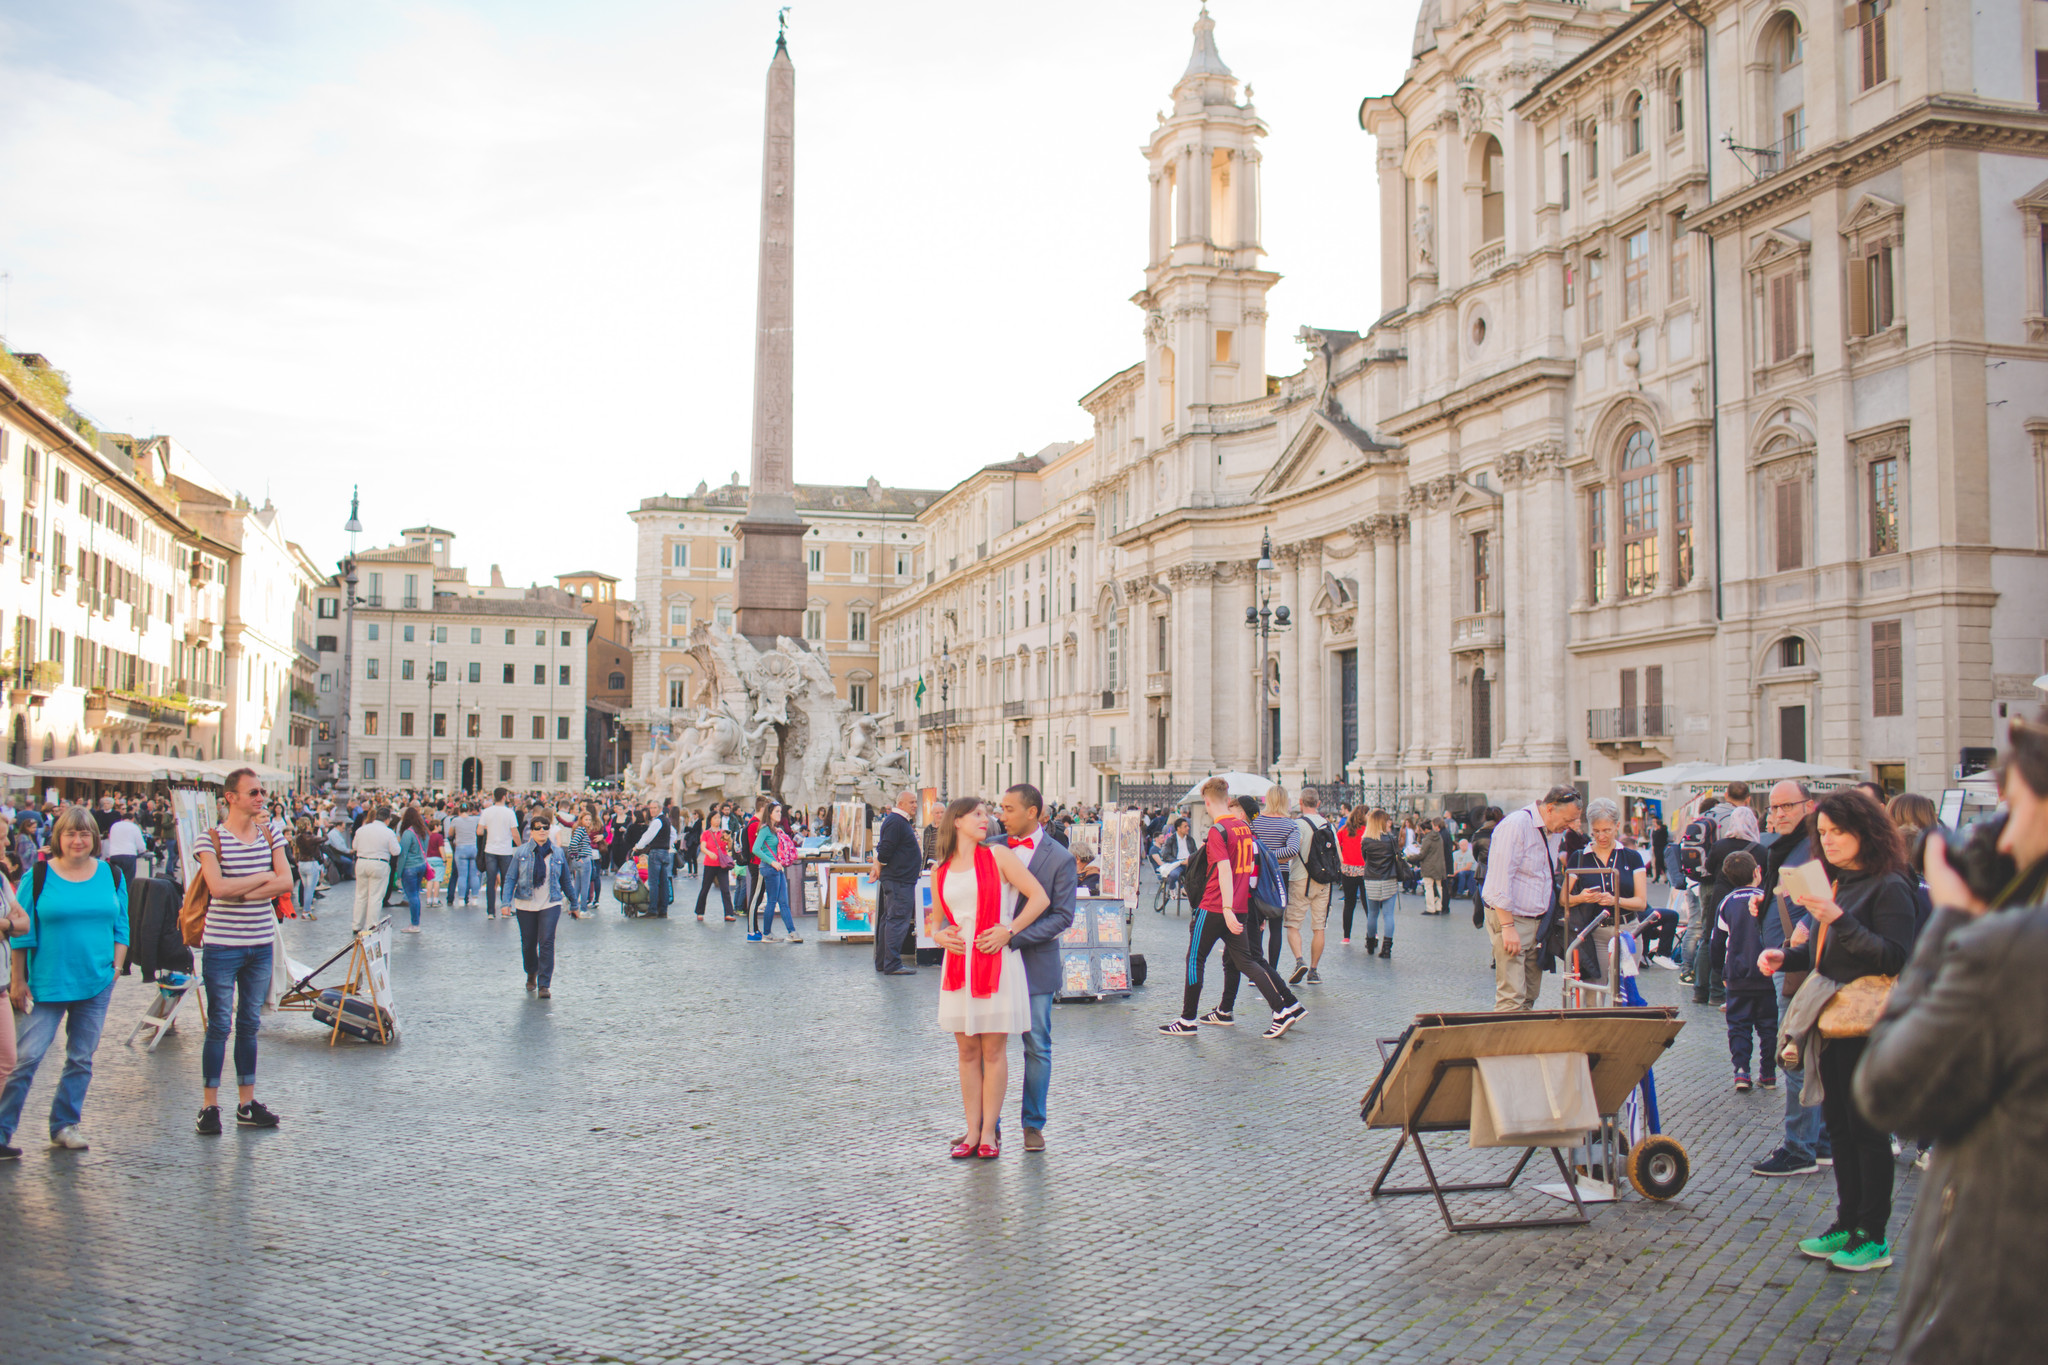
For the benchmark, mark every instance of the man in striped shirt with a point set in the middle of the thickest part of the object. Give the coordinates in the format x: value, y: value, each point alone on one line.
x: 246, y: 869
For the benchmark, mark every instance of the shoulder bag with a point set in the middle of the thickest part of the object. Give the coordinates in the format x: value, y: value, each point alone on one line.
x: 1856, y: 1006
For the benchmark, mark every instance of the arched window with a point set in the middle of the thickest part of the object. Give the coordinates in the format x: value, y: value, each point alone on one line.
x: 615, y: 682
x: 1639, y: 514
x: 1482, y: 715
x: 1785, y: 89
x: 1677, y: 102
x: 1632, y: 122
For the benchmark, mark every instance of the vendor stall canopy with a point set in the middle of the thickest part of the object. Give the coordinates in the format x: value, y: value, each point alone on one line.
x: 145, y: 768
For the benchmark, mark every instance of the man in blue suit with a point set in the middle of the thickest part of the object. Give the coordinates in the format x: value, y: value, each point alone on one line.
x: 1037, y: 944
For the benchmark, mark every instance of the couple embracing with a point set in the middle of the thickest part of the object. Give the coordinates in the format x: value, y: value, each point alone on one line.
x: 999, y: 906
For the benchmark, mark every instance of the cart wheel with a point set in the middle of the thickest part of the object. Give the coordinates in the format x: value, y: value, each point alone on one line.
x: 1137, y: 969
x: 1658, y: 1167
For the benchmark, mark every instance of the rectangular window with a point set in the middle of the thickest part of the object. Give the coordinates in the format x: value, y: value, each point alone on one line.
x: 405, y: 670
x: 565, y: 639
x: 440, y: 725
x: 1677, y: 102
x: 476, y: 672
x: 1596, y: 545
x: 1639, y: 534
x: 1681, y: 258
x: 857, y: 626
x: 860, y: 563
x: 814, y: 624
x: 723, y: 616
x: 440, y: 635
x: 405, y: 724
x: 1783, y: 291
x: 534, y: 768
x: 1223, y: 340
x: 540, y: 639
x: 1596, y: 269
x: 326, y: 682
x: 814, y: 560
x: 1635, y: 273
x: 679, y: 555
x: 1870, y: 30
x: 509, y: 633
x: 725, y: 556
x: 540, y: 727
x: 1789, y: 523
x: 1884, y: 506
x: 508, y: 673
x: 540, y: 675
x: 373, y: 630
x: 370, y: 667
x: 675, y: 694
x: 440, y: 770
x: 1565, y: 172
x: 857, y: 696
x: 370, y: 768
x: 562, y: 676
x: 1887, y: 670
x: 1792, y: 135
x: 476, y: 635
x: 1592, y: 151
x: 1115, y: 641
x: 369, y: 722
x: 561, y: 770
x: 329, y: 608
x: 1681, y: 522
x: 1870, y: 292
x: 561, y: 727
x: 473, y: 726
x: 1482, y: 571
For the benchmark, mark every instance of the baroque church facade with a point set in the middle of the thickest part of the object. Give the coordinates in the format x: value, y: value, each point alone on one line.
x: 1690, y: 429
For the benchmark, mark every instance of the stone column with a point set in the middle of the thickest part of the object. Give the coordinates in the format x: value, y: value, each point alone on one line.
x: 1550, y: 502
x: 1395, y: 211
x: 1155, y: 244
x: 1513, y: 565
x: 1292, y: 647
x: 1386, y: 648
x: 1308, y: 667
x: 1204, y: 184
x: 1194, y: 703
x: 1183, y: 197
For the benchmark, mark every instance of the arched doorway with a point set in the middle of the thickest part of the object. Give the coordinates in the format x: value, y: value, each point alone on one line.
x: 472, y: 774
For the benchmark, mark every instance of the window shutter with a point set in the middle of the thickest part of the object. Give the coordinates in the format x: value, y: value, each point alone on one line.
x: 1881, y: 277
x: 1653, y: 699
x: 1791, y: 532
x: 1779, y: 347
x: 1628, y: 689
x: 1859, y: 296
x: 1887, y: 669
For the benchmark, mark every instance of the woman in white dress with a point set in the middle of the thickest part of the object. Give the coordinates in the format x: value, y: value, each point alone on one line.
x: 983, y: 996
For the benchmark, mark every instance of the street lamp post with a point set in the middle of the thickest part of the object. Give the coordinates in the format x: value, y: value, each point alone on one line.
x: 945, y: 715
x: 348, y: 642
x: 1264, y: 620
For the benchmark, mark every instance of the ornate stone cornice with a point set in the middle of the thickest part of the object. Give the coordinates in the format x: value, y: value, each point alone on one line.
x: 1433, y: 494
x: 1387, y: 526
x: 1543, y: 460
x: 1192, y: 572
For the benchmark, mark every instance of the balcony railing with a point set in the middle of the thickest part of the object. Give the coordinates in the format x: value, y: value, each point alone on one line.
x: 375, y: 599
x: 1608, y: 724
x: 932, y: 720
x: 1157, y: 684
x: 1012, y: 710
x: 412, y: 601
x: 1488, y: 259
x: 37, y: 677
x: 1101, y: 755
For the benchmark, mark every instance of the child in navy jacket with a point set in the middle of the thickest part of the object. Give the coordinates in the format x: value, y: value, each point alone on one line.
x: 1752, y: 996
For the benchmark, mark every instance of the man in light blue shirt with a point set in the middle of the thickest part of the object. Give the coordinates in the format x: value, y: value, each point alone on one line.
x: 1521, y: 886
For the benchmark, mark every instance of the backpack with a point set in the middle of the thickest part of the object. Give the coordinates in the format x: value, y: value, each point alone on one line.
x: 1194, y: 879
x: 1692, y: 848
x: 1269, y: 888
x: 1320, y: 858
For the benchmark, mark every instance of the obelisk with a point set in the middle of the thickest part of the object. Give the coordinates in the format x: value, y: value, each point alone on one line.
x: 769, y: 581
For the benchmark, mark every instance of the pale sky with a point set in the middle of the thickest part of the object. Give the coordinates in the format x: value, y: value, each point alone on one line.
x: 494, y: 260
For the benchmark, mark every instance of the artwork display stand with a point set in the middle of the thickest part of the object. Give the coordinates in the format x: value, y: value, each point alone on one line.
x: 365, y: 972
x: 1095, y: 951
x: 849, y: 903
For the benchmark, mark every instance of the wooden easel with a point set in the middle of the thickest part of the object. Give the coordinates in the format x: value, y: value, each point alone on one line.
x: 359, y: 983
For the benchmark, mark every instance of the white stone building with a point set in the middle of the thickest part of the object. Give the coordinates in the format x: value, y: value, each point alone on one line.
x: 455, y: 685
x: 1533, y: 524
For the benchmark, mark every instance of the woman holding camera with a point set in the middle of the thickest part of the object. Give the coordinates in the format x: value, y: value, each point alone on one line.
x: 1865, y: 929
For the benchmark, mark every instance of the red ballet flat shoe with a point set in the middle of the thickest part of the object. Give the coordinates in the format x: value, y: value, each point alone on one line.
x: 962, y: 1149
x: 989, y: 1151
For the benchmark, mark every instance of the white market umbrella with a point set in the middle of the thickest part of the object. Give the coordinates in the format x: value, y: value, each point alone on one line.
x: 1241, y: 784
x: 1680, y: 782
x: 14, y: 776
x: 125, y: 768
x: 217, y: 770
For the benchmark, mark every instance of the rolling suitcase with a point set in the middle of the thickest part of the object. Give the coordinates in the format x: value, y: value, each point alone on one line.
x: 358, y: 1018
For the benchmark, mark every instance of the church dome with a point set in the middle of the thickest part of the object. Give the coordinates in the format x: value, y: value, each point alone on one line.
x: 1427, y: 21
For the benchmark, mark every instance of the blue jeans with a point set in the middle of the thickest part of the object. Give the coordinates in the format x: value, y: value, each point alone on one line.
x: 593, y: 883
x: 225, y: 970
x: 466, y: 877
x: 573, y: 884
x: 497, y: 880
x: 1806, y: 1136
x: 537, y: 942
x: 659, y: 861
x: 775, y: 891
x: 1373, y: 910
x: 1463, y: 888
x: 309, y: 884
x: 37, y: 1030
x: 411, y: 879
x: 1037, y: 1061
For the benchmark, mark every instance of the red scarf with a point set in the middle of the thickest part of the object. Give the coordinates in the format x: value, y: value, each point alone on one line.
x: 988, y: 967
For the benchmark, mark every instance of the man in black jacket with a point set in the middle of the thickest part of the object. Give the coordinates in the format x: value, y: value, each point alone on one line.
x: 897, y: 864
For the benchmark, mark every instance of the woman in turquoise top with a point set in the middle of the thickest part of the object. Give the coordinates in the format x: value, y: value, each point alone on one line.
x: 773, y: 861
x: 64, y: 969
x: 412, y: 861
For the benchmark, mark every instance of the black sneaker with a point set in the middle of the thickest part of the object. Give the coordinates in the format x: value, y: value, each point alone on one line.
x: 254, y: 1115
x: 1179, y: 1028
x: 1782, y: 1163
x: 1219, y: 1019
x: 1282, y: 1022
x: 209, y: 1121
x: 9, y: 1153
x: 1298, y: 975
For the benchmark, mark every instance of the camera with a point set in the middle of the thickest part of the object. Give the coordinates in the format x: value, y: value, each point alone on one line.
x: 1975, y: 858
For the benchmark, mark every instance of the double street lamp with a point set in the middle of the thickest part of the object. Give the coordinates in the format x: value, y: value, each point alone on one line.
x: 1264, y: 620
x: 348, y: 641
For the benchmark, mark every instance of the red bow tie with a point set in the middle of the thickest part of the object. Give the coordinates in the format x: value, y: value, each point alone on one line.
x: 1023, y: 843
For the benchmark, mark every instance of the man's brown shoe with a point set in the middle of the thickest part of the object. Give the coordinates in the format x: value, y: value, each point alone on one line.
x: 1034, y: 1141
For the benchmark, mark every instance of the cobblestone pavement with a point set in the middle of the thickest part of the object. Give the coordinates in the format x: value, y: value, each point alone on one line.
x: 707, y: 1149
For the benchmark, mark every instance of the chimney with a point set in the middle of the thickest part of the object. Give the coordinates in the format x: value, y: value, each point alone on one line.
x: 497, y: 577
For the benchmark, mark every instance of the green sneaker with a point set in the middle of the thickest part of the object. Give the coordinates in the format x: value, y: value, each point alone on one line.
x: 1825, y: 1246
x: 1865, y: 1253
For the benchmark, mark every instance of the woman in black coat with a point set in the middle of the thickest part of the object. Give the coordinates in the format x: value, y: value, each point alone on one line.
x: 1865, y: 929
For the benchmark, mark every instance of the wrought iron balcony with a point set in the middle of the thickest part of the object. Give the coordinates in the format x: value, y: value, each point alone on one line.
x: 1617, y: 724
x: 1101, y: 755
x: 1012, y: 710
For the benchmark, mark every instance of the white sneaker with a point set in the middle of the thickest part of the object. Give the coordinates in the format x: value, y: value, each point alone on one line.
x: 1670, y: 964
x: 793, y: 938
x: 69, y: 1138
x: 773, y: 938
